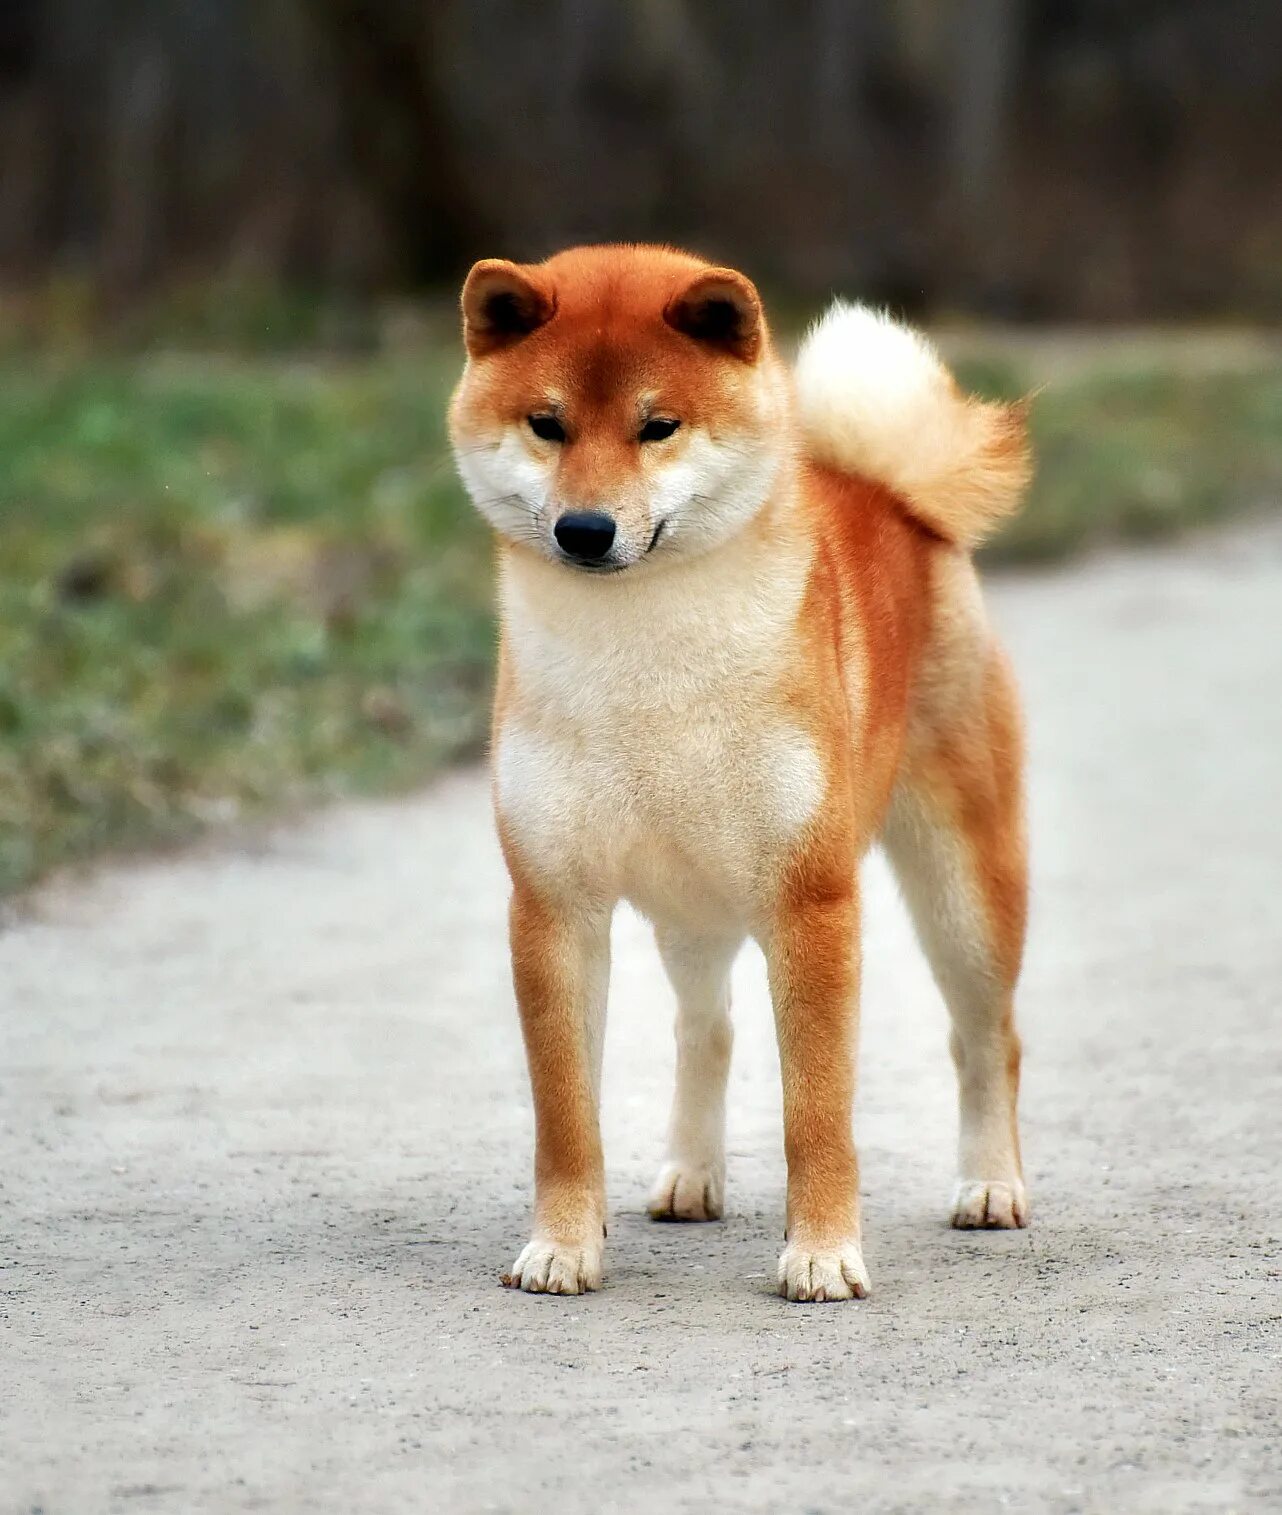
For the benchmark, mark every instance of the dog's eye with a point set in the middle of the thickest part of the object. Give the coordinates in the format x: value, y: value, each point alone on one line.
x: 548, y: 428
x: 656, y: 430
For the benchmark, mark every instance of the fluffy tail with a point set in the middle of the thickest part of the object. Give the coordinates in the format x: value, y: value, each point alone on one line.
x: 874, y: 398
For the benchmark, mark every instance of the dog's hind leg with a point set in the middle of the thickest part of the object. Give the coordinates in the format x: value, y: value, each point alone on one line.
x: 955, y: 837
x: 692, y: 1181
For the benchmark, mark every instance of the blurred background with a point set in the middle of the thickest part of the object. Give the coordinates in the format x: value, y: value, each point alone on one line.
x: 236, y: 573
x: 1079, y: 159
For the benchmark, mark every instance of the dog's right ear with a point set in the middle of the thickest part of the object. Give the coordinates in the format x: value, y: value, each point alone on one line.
x: 503, y: 302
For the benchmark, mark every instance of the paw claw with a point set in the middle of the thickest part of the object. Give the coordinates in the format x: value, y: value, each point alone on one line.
x: 989, y: 1204
x: 551, y: 1267
x: 823, y: 1274
x: 687, y: 1193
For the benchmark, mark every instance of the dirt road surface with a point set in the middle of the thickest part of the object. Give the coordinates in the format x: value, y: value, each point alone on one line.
x: 265, y: 1143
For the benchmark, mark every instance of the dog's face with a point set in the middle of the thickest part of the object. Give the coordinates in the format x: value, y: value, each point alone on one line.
x: 621, y: 406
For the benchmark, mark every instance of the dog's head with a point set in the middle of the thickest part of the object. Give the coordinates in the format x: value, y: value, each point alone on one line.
x: 620, y: 405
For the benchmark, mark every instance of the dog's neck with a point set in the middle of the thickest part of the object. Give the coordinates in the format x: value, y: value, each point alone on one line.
x: 757, y: 575
x: 688, y: 636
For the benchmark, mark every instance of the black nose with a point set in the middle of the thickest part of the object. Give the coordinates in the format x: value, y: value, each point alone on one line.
x: 584, y: 534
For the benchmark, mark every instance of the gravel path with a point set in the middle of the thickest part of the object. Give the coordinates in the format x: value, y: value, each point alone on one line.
x: 265, y: 1139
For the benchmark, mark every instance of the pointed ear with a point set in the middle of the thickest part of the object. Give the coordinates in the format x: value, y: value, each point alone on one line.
x: 503, y: 302
x: 720, y: 307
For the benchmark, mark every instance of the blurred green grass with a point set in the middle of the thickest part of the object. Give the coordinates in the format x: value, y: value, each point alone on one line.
x: 1138, y: 455
x: 225, y: 586
x: 232, y: 585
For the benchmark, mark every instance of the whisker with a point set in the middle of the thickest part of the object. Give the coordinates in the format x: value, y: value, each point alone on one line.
x: 506, y: 499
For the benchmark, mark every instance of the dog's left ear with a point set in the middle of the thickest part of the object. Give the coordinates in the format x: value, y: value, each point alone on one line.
x: 722, y: 308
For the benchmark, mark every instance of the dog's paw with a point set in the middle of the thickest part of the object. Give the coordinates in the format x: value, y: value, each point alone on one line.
x: 989, y: 1204
x: 823, y: 1273
x: 685, y: 1192
x: 556, y: 1267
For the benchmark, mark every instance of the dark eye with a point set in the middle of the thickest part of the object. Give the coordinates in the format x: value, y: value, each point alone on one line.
x: 548, y: 428
x: 656, y: 430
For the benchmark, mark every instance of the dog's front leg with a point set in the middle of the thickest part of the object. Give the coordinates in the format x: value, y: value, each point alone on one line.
x: 561, y: 967
x: 813, y: 953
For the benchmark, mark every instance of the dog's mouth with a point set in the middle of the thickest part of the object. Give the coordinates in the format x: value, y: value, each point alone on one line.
x: 610, y: 565
x: 592, y: 565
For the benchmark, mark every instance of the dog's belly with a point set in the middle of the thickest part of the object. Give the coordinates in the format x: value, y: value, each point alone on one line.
x: 691, y: 818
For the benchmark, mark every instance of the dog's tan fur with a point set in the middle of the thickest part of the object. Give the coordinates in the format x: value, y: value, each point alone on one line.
x: 791, y: 663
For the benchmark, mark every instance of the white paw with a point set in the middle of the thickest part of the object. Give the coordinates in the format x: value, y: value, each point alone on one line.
x: 988, y: 1204
x: 552, y: 1267
x: 823, y: 1273
x: 686, y: 1192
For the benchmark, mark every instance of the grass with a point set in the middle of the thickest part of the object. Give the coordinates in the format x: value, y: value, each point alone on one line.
x: 229, y: 586
x: 1140, y: 455
x: 225, y: 588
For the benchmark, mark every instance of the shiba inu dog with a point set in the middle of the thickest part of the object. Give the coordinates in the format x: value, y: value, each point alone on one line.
x: 742, y: 640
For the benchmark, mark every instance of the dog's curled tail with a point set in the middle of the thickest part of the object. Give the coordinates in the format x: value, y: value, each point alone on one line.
x: 875, y: 399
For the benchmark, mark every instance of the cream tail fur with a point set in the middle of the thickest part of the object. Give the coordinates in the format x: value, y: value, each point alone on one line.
x: 874, y: 398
